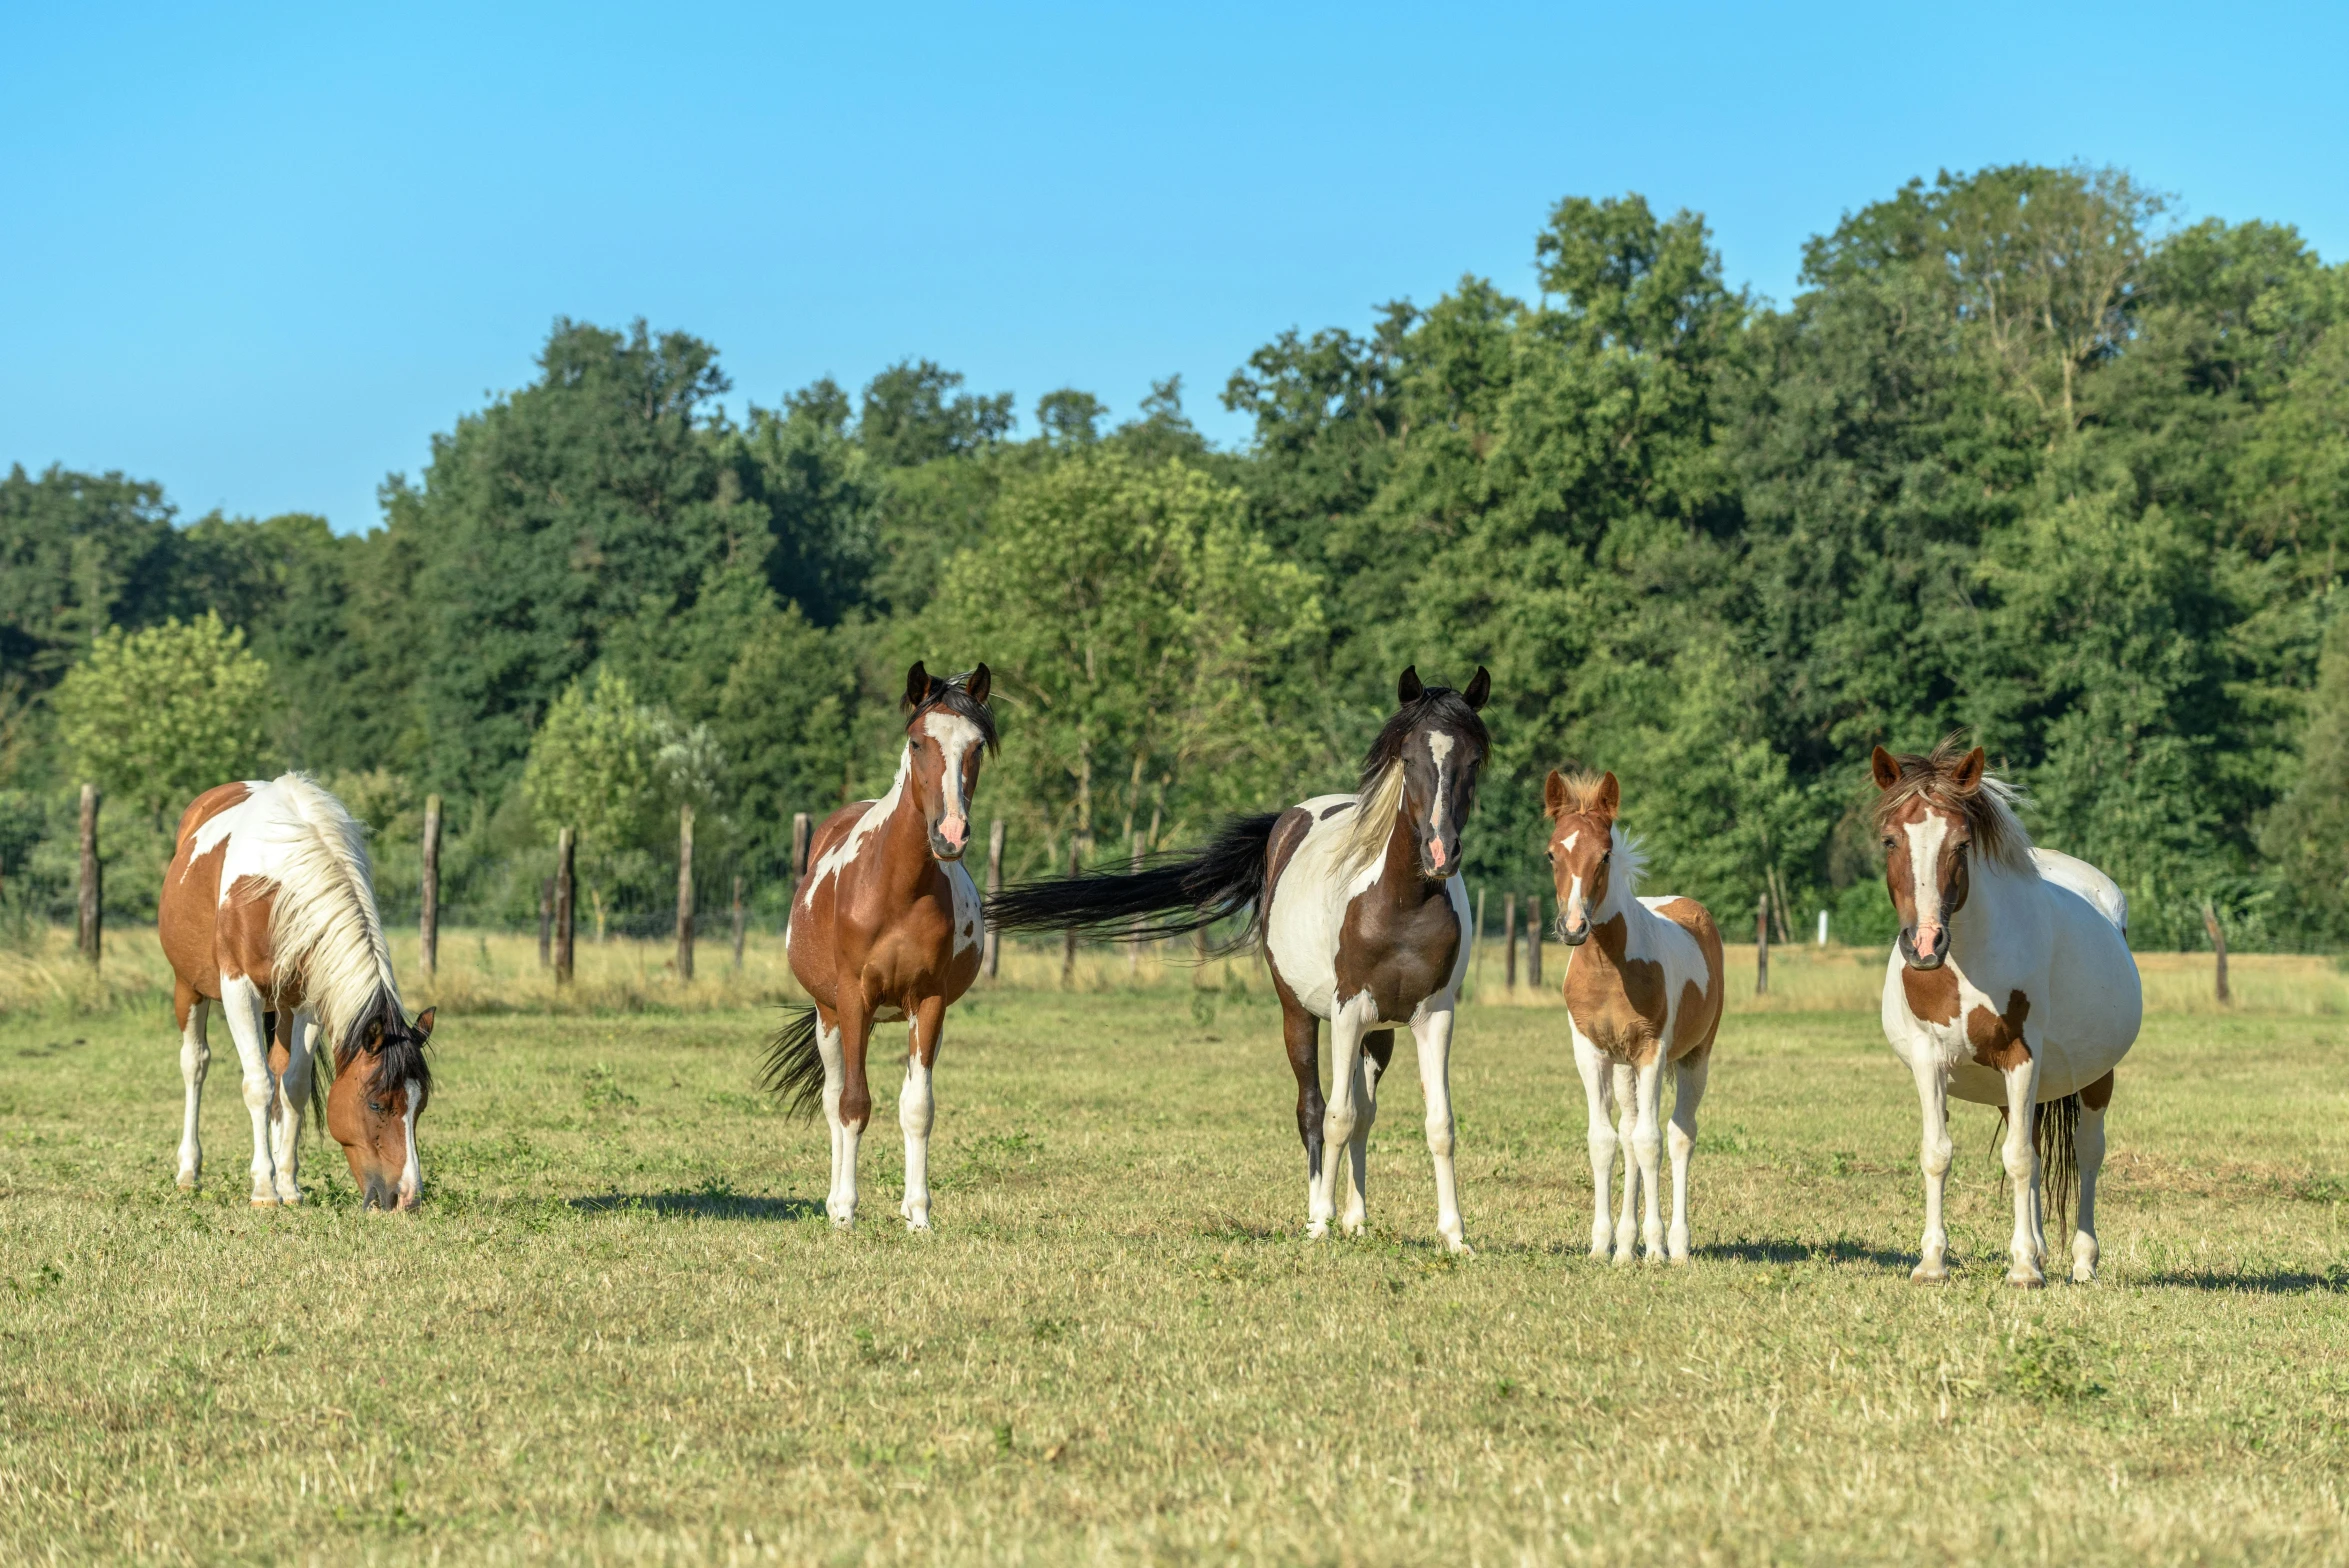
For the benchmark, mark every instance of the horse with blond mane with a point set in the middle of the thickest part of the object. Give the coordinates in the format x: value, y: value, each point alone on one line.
x: 268, y: 913
x: 2011, y: 985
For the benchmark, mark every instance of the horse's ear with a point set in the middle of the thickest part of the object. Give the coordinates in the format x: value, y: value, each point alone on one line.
x: 1969, y: 772
x: 917, y: 685
x: 1408, y: 689
x: 1886, y: 770
x: 1554, y: 795
x: 423, y: 1025
x: 1480, y: 686
x: 1609, y: 797
x: 981, y: 682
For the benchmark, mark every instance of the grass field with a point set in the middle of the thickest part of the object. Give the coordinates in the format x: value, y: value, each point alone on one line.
x: 620, y: 1330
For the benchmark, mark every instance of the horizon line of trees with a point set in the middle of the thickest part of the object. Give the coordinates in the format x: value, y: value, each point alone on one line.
x: 2020, y: 457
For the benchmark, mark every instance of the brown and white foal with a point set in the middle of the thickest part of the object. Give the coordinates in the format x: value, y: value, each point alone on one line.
x: 1643, y: 991
x: 268, y: 913
x: 886, y: 930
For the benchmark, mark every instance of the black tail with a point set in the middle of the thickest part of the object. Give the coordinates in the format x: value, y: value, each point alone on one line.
x: 794, y: 1073
x: 1167, y: 897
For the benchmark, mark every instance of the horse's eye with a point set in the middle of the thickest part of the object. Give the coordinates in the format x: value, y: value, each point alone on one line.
x: 1887, y: 841
x: 375, y: 1108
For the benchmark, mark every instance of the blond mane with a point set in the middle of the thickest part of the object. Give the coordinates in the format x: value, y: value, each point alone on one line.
x: 325, y: 924
x: 1364, y: 838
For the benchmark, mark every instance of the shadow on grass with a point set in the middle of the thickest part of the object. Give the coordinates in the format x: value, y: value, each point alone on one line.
x: 698, y: 1205
x: 1771, y: 1250
x: 2278, y: 1282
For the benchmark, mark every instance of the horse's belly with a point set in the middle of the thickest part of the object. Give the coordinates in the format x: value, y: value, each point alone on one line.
x: 1300, y: 934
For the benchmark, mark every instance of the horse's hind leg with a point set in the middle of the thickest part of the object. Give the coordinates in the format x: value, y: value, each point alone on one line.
x: 1301, y: 1036
x: 917, y: 1111
x: 294, y: 1041
x: 195, y: 1056
x: 241, y: 1009
x: 844, y: 1113
x: 1378, y: 1049
x: 1687, y: 1093
x: 2088, y: 1147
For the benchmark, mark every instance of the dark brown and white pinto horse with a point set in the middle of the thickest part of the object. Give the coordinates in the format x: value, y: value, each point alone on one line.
x: 268, y: 913
x: 886, y: 930
x: 2011, y: 985
x: 1357, y: 899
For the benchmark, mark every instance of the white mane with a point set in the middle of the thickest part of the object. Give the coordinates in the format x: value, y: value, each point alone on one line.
x: 1365, y: 837
x: 325, y: 923
x: 2013, y: 840
x: 1631, y: 861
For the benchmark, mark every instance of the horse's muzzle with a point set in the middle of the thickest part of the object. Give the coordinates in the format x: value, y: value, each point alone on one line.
x: 1916, y: 960
x: 1574, y: 936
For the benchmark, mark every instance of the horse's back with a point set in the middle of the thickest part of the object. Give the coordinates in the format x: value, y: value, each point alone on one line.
x: 2101, y: 891
x: 1697, y: 1011
x: 186, y: 911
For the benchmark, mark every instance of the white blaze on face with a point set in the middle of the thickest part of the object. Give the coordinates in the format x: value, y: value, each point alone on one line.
x: 1573, y: 912
x: 956, y: 736
x: 412, y: 1171
x: 1439, y: 749
x: 1925, y: 841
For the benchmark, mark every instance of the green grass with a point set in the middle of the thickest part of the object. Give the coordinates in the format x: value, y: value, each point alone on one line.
x: 620, y: 1330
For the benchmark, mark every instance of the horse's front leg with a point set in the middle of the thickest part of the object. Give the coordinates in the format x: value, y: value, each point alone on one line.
x: 916, y: 1111
x: 241, y: 1008
x: 1598, y: 1080
x: 1378, y: 1049
x: 297, y: 1036
x: 1346, y: 1027
x: 1933, y: 1157
x: 195, y: 1056
x: 1647, y: 1146
x: 2028, y: 1250
x: 1433, y: 1033
x: 1627, y: 1126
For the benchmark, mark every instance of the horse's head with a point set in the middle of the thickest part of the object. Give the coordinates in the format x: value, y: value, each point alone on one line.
x: 381, y: 1086
x: 948, y: 725
x: 1440, y: 744
x: 1933, y: 814
x: 1581, y: 808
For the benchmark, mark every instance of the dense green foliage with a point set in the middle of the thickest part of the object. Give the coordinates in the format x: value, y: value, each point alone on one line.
x: 2020, y: 457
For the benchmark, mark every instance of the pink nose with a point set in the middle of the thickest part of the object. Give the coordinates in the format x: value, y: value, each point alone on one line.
x: 1435, y: 852
x: 953, y: 830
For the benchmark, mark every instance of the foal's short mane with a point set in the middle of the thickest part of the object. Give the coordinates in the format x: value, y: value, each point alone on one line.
x: 1582, y: 798
x: 953, y: 696
x: 1581, y: 789
x: 1988, y: 808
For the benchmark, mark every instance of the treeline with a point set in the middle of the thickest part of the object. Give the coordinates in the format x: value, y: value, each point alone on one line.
x: 2021, y: 456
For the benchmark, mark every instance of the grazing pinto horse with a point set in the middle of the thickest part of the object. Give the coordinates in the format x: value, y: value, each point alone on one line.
x: 268, y: 912
x: 1646, y: 993
x: 1357, y: 899
x: 2011, y: 985
x: 886, y: 930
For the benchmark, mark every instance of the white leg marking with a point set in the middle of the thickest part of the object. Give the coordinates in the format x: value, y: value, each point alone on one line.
x: 1354, y: 1213
x: 1598, y: 1088
x: 1647, y: 1142
x: 1933, y: 1156
x: 1627, y: 1109
x: 1433, y: 1033
x: 293, y: 1101
x: 1339, y: 1116
x: 1688, y: 1091
x: 916, y: 1112
x: 241, y: 1010
x: 2028, y: 1250
x: 840, y: 1202
x: 2088, y: 1146
x: 195, y: 1056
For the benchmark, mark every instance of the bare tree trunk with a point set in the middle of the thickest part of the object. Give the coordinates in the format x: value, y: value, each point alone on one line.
x: 90, y: 910
x: 428, y: 922
x: 1533, y: 942
x: 1068, y: 955
x: 737, y: 916
x: 566, y: 902
x: 994, y: 943
x: 1762, y: 945
x: 2218, y: 945
x: 1509, y: 931
x: 685, y: 894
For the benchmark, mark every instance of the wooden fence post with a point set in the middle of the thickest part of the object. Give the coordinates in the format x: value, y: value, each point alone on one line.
x: 994, y: 942
x: 1509, y: 933
x: 1762, y: 946
x: 428, y: 921
x: 1068, y: 954
x: 2218, y: 945
x: 685, y: 894
x: 1533, y: 942
x: 737, y: 910
x: 799, y: 845
x: 566, y: 902
x: 1134, y: 943
x: 90, y: 911
x: 546, y: 922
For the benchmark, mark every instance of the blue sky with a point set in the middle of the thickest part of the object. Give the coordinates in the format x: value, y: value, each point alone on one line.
x: 262, y: 253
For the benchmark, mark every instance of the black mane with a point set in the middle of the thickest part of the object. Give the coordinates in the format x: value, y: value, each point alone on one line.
x: 953, y: 695
x: 1436, y: 702
x: 400, y: 1057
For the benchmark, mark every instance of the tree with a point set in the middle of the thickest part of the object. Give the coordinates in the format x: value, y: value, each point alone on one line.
x: 159, y: 716
x: 2307, y: 834
x: 1069, y: 418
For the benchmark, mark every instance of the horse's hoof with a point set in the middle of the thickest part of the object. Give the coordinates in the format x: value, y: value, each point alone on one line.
x: 1317, y: 1231
x: 1458, y: 1247
x: 1600, y: 1249
x: 917, y: 1224
x: 1678, y: 1257
x: 1625, y: 1258
x: 1930, y: 1274
x: 269, y: 1202
x: 187, y: 1182
x: 2022, y: 1280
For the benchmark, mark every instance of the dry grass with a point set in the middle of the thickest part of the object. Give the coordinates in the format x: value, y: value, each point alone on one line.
x: 621, y: 1332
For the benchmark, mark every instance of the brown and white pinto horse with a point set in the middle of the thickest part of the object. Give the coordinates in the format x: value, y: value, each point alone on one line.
x: 2011, y: 985
x: 886, y: 930
x: 268, y: 912
x: 1646, y: 993
x: 1358, y: 901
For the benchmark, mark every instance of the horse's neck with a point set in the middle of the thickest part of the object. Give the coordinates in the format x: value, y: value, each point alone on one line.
x: 1637, y: 917
x: 1399, y: 883
x: 1993, y: 891
x: 900, y: 856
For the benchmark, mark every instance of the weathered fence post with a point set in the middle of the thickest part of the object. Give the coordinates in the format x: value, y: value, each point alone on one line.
x: 799, y: 843
x: 685, y: 894
x: 2218, y: 945
x: 90, y: 911
x: 1509, y: 933
x: 1533, y: 942
x: 737, y: 915
x: 994, y: 942
x: 1134, y: 942
x: 428, y: 920
x: 1068, y: 954
x: 1762, y: 946
x: 566, y: 902
x: 546, y: 922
